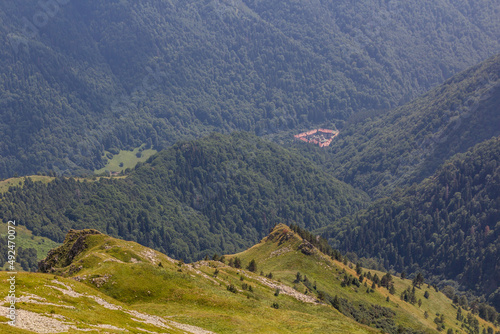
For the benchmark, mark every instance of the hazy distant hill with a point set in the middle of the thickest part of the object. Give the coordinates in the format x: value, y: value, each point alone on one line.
x: 220, y: 193
x: 92, y: 75
x: 446, y: 226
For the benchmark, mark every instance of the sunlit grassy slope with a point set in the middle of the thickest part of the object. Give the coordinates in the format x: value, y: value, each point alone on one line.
x: 98, y: 283
x: 280, y: 255
x: 132, y: 278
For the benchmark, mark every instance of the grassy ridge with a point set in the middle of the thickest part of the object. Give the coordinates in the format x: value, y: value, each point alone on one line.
x: 111, y: 279
x: 19, y: 181
x: 129, y: 275
x: 279, y: 254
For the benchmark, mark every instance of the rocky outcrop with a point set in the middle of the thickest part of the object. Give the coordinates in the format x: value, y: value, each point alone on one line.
x: 61, y: 257
x: 306, y: 247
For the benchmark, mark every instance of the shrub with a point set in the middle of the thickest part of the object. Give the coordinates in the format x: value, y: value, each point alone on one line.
x: 231, y: 288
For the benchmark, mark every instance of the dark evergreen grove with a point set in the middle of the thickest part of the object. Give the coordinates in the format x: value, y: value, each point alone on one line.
x: 447, y: 226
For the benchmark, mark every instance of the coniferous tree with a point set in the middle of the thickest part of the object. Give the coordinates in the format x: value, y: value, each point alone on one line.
x: 418, y: 280
x: 358, y: 268
x: 252, y: 266
x: 386, y: 281
x: 460, y: 317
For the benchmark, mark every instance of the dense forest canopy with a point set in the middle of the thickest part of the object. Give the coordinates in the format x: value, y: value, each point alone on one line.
x: 447, y: 226
x: 84, y: 76
x: 381, y: 153
x: 216, y: 194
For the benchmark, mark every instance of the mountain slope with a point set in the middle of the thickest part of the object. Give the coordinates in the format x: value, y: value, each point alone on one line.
x: 121, y: 286
x: 221, y: 193
x: 411, y: 142
x: 95, y: 282
x: 84, y: 77
x: 284, y: 253
x: 446, y: 226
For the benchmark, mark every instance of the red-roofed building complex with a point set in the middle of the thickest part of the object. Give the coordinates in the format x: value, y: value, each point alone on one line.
x: 320, y: 137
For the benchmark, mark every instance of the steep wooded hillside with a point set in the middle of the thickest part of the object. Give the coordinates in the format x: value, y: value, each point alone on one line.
x: 82, y: 77
x: 221, y: 193
x: 447, y: 226
x: 409, y: 143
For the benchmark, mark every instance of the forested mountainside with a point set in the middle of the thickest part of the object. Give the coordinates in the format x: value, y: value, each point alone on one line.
x: 84, y: 76
x: 221, y: 194
x: 407, y: 144
x: 447, y: 226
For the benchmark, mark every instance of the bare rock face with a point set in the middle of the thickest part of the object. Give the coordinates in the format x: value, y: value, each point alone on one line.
x: 61, y: 257
x: 306, y: 247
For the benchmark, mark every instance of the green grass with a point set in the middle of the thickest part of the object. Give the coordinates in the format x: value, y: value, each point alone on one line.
x: 25, y: 239
x: 19, y: 181
x: 133, y: 279
x: 195, y: 300
x: 81, y: 311
x: 328, y: 273
x: 128, y: 158
x: 177, y: 292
